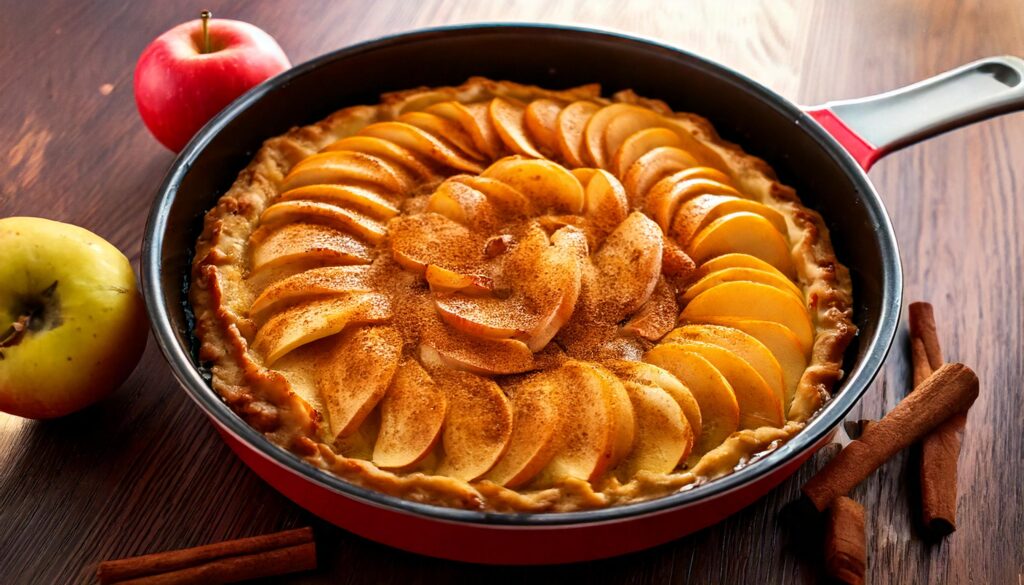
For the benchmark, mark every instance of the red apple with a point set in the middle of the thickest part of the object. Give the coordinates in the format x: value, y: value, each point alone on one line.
x: 184, y: 77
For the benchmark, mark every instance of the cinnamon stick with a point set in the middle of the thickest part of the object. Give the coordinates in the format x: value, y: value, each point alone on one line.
x: 224, y: 562
x: 922, y: 327
x: 846, y: 555
x: 940, y: 449
x: 919, y: 361
x: 950, y: 389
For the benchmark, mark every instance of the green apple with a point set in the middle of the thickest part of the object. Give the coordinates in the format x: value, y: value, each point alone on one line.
x: 72, y: 322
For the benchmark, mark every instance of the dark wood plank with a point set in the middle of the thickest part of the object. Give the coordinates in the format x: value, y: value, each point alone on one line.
x: 143, y: 471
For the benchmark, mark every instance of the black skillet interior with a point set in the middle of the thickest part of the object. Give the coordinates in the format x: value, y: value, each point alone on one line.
x: 742, y: 112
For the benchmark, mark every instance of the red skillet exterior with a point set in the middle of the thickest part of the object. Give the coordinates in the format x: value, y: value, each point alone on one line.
x: 201, y: 171
x: 862, y: 151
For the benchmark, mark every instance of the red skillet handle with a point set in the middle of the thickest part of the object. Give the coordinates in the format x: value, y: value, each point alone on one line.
x: 872, y: 127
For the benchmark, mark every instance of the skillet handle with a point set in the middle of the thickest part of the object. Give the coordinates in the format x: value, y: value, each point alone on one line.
x: 872, y: 127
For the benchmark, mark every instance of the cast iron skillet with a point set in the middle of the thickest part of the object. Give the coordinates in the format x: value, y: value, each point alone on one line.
x: 803, y: 154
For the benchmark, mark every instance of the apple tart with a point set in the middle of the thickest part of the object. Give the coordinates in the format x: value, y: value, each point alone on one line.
x: 502, y: 297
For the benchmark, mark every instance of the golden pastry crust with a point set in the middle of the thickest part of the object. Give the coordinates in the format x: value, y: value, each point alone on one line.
x: 224, y: 288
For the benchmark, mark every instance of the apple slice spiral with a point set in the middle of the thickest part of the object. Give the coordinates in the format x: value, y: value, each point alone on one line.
x: 525, y: 289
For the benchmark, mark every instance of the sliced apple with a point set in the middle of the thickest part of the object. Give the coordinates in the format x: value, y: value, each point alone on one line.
x: 614, y: 124
x: 505, y: 198
x: 706, y: 156
x: 281, y: 245
x: 385, y: 150
x: 697, y: 213
x: 759, y: 404
x: 606, y: 203
x: 477, y: 427
x: 745, y: 346
x: 359, y: 445
x: 412, y: 414
x: 751, y: 300
x: 711, y: 279
x: 447, y: 201
x: 442, y: 280
x: 462, y: 203
x: 420, y: 100
x: 594, y: 427
x: 355, y: 374
x: 443, y: 348
x: 700, y: 173
x: 476, y: 121
x: 306, y: 323
x: 360, y: 199
x: 622, y: 413
x: 572, y: 123
x: 309, y: 285
x: 348, y: 167
x: 486, y: 317
x: 652, y: 375
x: 747, y: 233
x: 508, y: 120
x: 687, y: 403
x: 445, y: 129
x: 259, y: 280
x: 629, y: 264
x: 657, y: 316
x: 739, y: 260
x: 651, y: 168
x: 663, y: 436
x: 663, y: 187
x: 583, y: 175
x: 485, y: 135
x: 639, y: 144
x: 541, y: 120
x: 663, y: 204
x: 448, y: 244
x: 538, y: 306
x: 342, y: 218
x: 562, y: 264
x: 536, y: 422
x: 421, y: 143
x: 783, y: 345
x: 676, y: 264
x: 719, y: 411
x: 548, y: 186
x: 596, y: 139
x: 597, y: 125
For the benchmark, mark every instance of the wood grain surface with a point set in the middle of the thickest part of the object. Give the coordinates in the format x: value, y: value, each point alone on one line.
x: 143, y: 471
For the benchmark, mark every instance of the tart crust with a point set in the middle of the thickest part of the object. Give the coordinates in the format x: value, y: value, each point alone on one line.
x: 264, y: 398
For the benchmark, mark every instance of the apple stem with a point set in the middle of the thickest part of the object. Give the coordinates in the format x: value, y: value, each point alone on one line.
x: 14, y: 333
x: 205, y: 16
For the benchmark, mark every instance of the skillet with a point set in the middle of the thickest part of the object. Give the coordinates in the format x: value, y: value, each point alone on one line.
x: 823, y: 152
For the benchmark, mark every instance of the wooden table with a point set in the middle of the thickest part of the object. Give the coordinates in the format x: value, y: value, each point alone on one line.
x: 143, y: 471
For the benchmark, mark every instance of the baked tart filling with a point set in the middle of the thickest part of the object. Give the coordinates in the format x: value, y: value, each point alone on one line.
x: 501, y: 297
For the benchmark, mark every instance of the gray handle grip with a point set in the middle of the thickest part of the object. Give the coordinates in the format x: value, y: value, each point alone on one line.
x: 965, y: 95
